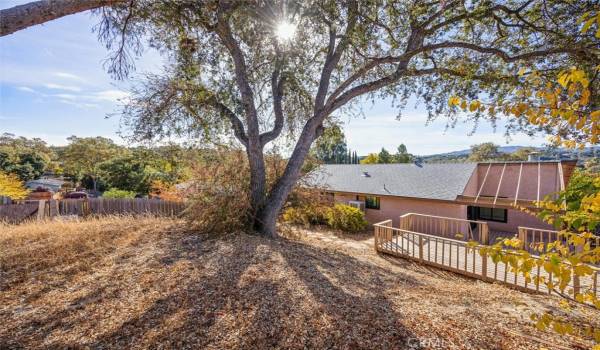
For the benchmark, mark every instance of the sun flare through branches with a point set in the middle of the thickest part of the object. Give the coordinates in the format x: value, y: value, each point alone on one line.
x: 285, y: 31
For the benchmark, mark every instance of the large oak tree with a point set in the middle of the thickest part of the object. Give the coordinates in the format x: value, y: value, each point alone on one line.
x: 37, y: 12
x: 229, y: 72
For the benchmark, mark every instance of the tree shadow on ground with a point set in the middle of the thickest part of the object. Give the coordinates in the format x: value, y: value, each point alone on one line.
x: 237, y: 291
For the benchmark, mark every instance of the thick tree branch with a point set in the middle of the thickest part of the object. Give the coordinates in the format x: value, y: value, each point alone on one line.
x: 236, y: 123
x: 500, y: 53
x: 461, y: 17
x: 436, y: 15
x: 277, y: 81
x: 241, y: 76
x: 334, y: 54
x: 486, y: 78
x: 37, y: 12
x: 361, y: 73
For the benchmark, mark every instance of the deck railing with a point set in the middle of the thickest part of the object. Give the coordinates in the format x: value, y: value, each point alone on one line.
x: 457, y: 256
x: 459, y: 229
x: 536, y: 240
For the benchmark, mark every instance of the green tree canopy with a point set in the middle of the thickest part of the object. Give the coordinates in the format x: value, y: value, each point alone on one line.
x: 384, y: 157
x: 83, y: 156
x: 26, y: 158
x: 484, y: 151
x: 402, y: 155
x: 331, y: 147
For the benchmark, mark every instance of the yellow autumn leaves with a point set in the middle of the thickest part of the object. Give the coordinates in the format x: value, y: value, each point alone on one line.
x: 11, y: 186
x: 588, y: 19
x: 562, y: 105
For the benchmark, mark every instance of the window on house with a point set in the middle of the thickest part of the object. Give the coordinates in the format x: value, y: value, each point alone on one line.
x: 371, y: 202
x: 491, y: 214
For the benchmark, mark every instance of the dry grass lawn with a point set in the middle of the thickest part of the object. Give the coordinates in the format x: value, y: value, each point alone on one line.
x: 150, y: 283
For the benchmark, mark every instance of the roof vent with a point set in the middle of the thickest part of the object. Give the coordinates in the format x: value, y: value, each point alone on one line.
x: 365, y: 174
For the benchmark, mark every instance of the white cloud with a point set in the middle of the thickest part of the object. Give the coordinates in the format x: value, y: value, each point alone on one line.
x: 66, y: 75
x: 110, y: 95
x: 65, y: 96
x: 62, y: 87
x: 82, y: 105
x: 26, y: 89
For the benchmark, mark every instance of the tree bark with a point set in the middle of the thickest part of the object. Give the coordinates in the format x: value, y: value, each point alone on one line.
x: 37, y: 12
x: 257, y: 178
x: 266, y: 220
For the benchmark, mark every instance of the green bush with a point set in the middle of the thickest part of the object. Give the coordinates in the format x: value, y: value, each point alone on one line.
x: 346, y: 218
x: 306, y: 215
x: 117, y: 193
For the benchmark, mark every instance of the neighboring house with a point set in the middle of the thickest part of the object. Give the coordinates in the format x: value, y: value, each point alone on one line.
x: 476, y: 191
x: 51, y: 184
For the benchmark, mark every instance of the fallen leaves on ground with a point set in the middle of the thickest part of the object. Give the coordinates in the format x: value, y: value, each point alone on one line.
x: 123, y: 282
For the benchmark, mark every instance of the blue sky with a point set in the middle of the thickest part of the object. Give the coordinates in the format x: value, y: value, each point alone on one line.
x: 52, y: 86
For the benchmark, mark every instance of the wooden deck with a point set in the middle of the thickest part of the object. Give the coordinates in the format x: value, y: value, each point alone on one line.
x: 456, y: 256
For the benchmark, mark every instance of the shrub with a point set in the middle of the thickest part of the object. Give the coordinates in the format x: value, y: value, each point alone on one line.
x: 306, y: 215
x: 346, y: 218
x: 166, y: 191
x: 218, y: 192
x: 117, y: 193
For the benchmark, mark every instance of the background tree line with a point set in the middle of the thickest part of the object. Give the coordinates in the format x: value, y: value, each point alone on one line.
x: 97, y: 163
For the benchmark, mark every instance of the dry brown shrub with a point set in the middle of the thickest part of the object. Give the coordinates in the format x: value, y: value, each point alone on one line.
x: 219, y: 198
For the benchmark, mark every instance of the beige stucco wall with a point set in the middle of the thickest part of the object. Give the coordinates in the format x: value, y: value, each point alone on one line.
x: 516, y: 218
x: 393, y: 207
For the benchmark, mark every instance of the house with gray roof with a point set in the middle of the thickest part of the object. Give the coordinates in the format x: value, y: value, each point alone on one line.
x: 487, y: 191
x: 47, y: 183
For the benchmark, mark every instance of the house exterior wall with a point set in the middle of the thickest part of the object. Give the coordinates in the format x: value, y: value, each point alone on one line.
x: 393, y: 207
x: 516, y: 218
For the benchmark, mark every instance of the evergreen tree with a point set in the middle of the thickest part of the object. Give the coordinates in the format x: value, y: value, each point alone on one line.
x: 384, y: 156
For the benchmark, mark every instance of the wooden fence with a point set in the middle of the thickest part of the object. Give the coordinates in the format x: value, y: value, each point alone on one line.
x: 93, y: 206
x: 16, y: 213
x: 456, y: 256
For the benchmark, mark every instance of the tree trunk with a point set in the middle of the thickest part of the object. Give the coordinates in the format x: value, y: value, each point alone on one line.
x: 266, y: 220
x: 257, y: 179
x: 37, y: 12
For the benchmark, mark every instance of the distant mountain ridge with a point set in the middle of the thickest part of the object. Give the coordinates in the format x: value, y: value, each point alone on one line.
x: 466, y: 152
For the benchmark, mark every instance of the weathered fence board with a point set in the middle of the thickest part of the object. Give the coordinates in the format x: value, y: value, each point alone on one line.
x: 15, y: 213
x: 108, y: 206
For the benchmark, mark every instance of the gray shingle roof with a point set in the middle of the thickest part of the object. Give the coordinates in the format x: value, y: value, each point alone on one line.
x: 432, y: 181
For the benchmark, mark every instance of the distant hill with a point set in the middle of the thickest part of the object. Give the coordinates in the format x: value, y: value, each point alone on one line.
x: 462, y: 155
x: 466, y: 152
